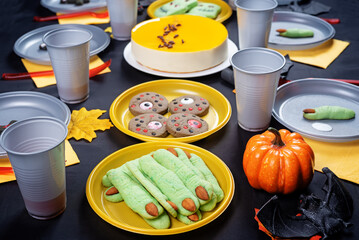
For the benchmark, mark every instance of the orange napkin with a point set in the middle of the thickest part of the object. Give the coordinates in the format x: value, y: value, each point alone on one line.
x: 320, y: 56
x: 86, y: 19
x: 70, y: 158
x: 341, y: 158
x: 50, y: 80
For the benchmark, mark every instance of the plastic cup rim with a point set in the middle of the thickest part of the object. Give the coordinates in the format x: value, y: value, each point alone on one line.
x: 259, y: 9
x: 262, y: 49
x: 67, y: 30
x: 9, y: 128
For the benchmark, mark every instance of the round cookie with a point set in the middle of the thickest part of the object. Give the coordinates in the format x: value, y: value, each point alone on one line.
x: 149, y: 124
x: 184, y: 124
x: 148, y: 102
x: 189, y: 104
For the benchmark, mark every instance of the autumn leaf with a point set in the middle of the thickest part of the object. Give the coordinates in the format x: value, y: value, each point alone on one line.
x: 84, y: 123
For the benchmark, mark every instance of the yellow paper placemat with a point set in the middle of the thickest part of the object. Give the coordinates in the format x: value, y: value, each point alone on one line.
x: 50, y: 80
x: 341, y: 158
x: 70, y: 159
x: 320, y: 56
x: 86, y: 19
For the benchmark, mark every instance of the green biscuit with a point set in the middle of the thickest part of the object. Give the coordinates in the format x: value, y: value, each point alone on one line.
x: 183, y: 157
x: 209, y: 10
x: 114, y: 197
x: 188, y: 177
x: 175, y: 7
x: 210, y: 205
x: 201, y: 166
x: 106, y: 182
x: 188, y: 221
x: 168, y: 183
x: 162, y: 222
x: 134, y: 167
x: 297, y: 33
x: 170, y: 9
x: 330, y: 112
x: 134, y: 194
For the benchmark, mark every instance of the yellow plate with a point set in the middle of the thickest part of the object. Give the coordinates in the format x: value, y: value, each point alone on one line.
x: 226, y: 10
x: 121, y: 216
x: 218, y: 114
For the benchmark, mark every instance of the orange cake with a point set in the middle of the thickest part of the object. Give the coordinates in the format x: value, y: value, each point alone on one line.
x: 179, y: 43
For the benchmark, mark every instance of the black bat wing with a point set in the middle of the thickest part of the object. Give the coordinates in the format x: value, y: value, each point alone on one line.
x: 282, y: 225
x: 338, y: 197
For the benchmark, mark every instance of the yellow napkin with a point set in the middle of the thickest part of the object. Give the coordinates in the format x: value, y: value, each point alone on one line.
x: 109, y: 30
x: 86, y: 19
x: 70, y: 159
x: 320, y: 56
x: 50, y: 80
x: 341, y: 158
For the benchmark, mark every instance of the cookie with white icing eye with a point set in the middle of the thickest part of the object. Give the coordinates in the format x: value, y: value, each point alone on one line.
x: 190, y: 104
x: 149, y: 124
x: 184, y: 125
x: 148, y: 102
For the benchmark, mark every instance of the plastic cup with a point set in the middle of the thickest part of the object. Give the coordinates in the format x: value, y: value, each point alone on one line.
x: 69, y: 54
x: 36, y: 150
x: 123, y: 17
x: 254, y: 18
x: 256, y: 77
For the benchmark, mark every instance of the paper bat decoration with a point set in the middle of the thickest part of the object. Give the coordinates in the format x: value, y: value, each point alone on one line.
x: 316, y: 216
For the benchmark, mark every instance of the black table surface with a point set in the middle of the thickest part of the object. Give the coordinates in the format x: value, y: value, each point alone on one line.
x: 79, y: 221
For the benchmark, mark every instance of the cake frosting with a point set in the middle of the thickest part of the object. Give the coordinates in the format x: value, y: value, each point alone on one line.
x: 180, y: 43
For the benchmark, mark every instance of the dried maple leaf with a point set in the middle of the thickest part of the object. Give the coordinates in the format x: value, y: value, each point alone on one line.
x: 84, y: 123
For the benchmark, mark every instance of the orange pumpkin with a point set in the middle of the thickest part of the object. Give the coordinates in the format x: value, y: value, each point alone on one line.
x: 278, y: 161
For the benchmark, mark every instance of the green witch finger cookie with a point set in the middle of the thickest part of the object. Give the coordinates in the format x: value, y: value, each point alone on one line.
x: 134, y: 167
x: 328, y: 112
x: 106, y: 182
x: 184, y: 157
x: 134, y: 194
x: 112, y: 194
x: 201, y: 166
x: 162, y: 222
x: 295, y: 33
x: 190, y: 219
x: 199, y: 187
x: 170, y: 185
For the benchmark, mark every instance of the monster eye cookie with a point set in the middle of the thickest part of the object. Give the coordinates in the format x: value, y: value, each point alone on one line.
x: 183, y: 125
x: 150, y: 124
x: 190, y: 104
x: 148, y: 102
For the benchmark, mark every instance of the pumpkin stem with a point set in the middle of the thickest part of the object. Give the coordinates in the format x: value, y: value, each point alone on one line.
x: 277, y: 140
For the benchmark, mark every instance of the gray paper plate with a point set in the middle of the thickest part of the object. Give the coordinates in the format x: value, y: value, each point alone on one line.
x: 27, y: 46
x: 323, y: 31
x: 297, y: 95
x: 20, y: 105
x: 56, y: 6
